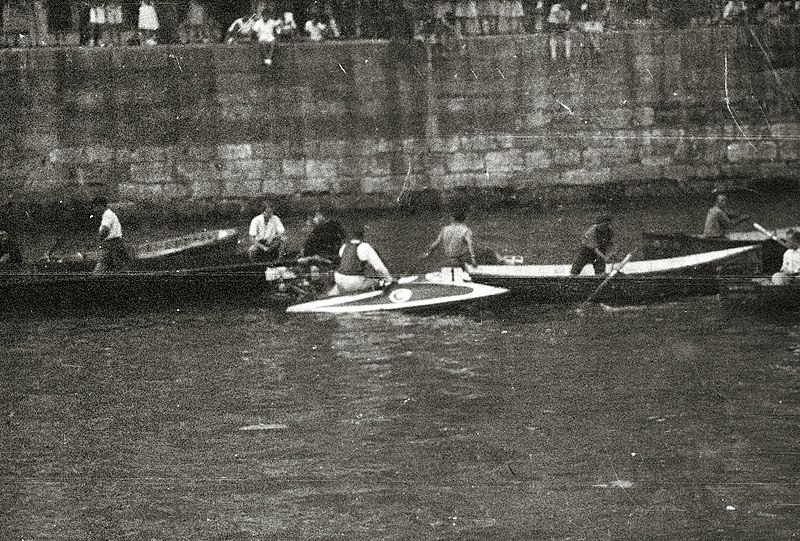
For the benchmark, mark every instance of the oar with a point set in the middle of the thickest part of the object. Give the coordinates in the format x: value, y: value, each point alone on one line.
x: 604, y: 282
x: 771, y: 235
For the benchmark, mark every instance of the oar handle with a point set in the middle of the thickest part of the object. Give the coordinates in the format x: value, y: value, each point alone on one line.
x: 771, y: 235
x: 604, y: 282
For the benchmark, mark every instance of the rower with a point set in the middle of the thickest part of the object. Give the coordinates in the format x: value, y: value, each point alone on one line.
x: 456, y: 241
x: 267, y: 234
x: 325, y: 239
x: 595, y: 246
x: 791, y: 261
x: 113, y: 256
x: 360, y: 268
x: 10, y: 254
x: 720, y: 218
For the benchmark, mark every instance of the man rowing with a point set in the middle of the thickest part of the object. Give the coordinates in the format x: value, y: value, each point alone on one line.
x: 595, y: 245
x: 361, y: 268
x: 113, y: 256
x: 326, y: 238
x: 720, y: 219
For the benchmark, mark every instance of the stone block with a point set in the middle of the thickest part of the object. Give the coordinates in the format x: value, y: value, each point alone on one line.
x: 454, y: 181
x: 789, y: 150
x: 593, y: 157
x: 370, y: 185
x: 656, y: 161
x: 151, y: 173
x: 783, y: 131
x: 465, y: 161
x: 151, y: 192
x: 205, y: 188
x: 566, y: 157
x: 242, y: 151
x: 537, y: 159
x: 643, y: 117
x: 377, y: 166
x: 314, y: 184
x: 293, y: 168
x: 321, y: 169
x: 278, y: 185
x: 532, y: 179
x: 536, y: 119
x: 505, y: 161
x: 476, y: 142
x: 242, y: 187
x: 613, y: 118
x: 586, y: 177
x: 634, y: 173
x: 679, y: 173
x: 751, y: 150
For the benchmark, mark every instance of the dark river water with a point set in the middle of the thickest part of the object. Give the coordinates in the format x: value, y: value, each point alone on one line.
x: 228, y: 422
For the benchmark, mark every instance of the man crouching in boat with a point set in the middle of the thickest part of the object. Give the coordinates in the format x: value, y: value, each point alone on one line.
x: 267, y: 234
x: 791, y: 262
x: 595, y: 246
x: 720, y: 219
x: 113, y: 256
x: 361, y: 268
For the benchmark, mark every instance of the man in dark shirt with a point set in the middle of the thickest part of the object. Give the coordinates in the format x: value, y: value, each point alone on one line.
x: 325, y: 239
x: 720, y: 219
x: 10, y: 254
x: 595, y: 246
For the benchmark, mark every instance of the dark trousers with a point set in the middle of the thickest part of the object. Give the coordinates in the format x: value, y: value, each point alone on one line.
x: 586, y: 256
x: 113, y: 256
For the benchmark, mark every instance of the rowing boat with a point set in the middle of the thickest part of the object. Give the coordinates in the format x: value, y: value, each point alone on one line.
x: 203, y: 248
x: 639, y: 281
x: 760, y: 294
x: 660, y: 245
x: 410, y: 293
x: 33, y: 290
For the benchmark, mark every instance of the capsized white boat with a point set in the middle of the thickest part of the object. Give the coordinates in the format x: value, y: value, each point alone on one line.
x: 409, y: 293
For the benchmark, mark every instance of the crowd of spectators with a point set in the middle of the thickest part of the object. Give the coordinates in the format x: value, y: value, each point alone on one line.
x: 148, y: 22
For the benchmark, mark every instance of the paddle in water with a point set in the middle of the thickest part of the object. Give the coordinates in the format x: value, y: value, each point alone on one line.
x: 611, y: 275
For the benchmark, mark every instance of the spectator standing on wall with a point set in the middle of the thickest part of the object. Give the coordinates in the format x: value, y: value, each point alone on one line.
x: 59, y: 20
x: 148, y: 22
x: 266, y: 31
x: 538, y: 22
x: 97, y: 22
x: 558, y: 21
x: 288, y: 27
x: 734, y: 12
x: 314, y: 27
x: 517, y: 17
x: 16, y: 24
x: 114, y: 22
x: 332, y: 31
x: 241, y: 28
x: 590, y: 23
x: 489, y: 13
x: 196, y: 22
x: 467, y: 16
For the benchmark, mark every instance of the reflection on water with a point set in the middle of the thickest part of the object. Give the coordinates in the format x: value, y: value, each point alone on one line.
x: 519, y: 422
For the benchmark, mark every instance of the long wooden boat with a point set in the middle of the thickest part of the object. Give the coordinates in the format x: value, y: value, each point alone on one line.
x: 31, y: 290
x: 761, y: 295
x: 659, y: 245
x: 638, y: 281
x: 203, y: 248
x: 409, y: 294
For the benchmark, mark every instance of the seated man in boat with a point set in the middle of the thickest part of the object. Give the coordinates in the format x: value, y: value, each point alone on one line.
x: 720, y: 219
x: 361, y: 268
x: 456, y: 241
x: 267, y: 234
x: 595, y: 246
x: 326, y: 238
x: 113, y: 256
x: 791, y: 261
x: 10, y: 254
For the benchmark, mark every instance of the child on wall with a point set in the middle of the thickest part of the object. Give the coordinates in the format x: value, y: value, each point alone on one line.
x: 114, y: 22
x: 97, y: 22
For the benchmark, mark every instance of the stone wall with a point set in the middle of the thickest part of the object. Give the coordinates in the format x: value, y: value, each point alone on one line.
x: 377, y: 123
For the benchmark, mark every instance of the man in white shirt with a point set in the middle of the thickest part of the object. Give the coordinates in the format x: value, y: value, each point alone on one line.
x: 266, y: 31
x: 113, y: 256
x: 267, y: 234
x: 791, y: 261
x: 360, y: 268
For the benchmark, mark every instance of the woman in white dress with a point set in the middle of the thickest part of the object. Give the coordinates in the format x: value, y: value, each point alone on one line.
x: 148, y: 21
